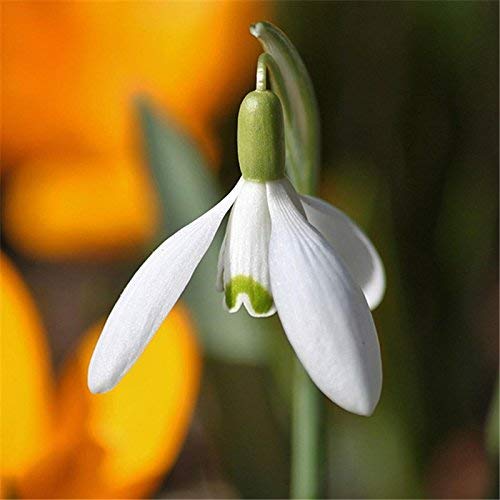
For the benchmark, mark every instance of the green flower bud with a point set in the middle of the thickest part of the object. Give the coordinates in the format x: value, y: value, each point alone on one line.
x: 261, y: 143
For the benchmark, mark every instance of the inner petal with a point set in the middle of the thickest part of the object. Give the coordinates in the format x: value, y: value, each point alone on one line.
x: 245, y: 268
x: 245, y: 290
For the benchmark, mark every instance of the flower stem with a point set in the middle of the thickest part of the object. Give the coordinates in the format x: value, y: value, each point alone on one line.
x: 306, y: 433
x: 292, y: 83
x: 261, y: 74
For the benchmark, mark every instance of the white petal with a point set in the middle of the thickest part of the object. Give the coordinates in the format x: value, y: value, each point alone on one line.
x: 245, y: 270
x: 357, y: 251
x: 150, y: 295
x: 323, y: 311
x: 219, y: 280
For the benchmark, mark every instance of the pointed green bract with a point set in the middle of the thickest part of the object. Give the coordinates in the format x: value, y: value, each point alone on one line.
x: 260, y: 298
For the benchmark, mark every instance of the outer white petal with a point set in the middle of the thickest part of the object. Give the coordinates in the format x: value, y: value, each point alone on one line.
x: 357, y: 251
x: 245, y: 270
x: 323, y: 311
x: 150, y: 295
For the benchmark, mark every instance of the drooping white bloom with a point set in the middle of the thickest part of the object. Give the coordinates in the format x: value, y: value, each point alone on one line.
x: 294, y: 255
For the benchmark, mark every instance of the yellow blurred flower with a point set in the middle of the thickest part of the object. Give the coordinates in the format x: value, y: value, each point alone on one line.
x: 69, y: 72
x: 27, y: 389
x: 64, y: 442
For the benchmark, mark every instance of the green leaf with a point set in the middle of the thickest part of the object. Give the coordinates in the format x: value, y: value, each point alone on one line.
x: 187, y: 189
x: 292, y: 83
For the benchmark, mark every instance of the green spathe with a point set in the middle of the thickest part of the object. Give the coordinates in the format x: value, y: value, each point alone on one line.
x: 260, y: 298
x: 261, y: 143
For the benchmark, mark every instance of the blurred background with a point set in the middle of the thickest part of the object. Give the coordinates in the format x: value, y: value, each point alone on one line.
x: 119, y: 125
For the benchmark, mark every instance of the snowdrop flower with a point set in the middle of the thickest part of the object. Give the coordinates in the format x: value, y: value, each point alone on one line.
x: 294, y: 255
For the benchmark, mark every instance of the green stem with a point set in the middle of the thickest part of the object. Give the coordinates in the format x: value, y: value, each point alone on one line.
x: 306, y: 434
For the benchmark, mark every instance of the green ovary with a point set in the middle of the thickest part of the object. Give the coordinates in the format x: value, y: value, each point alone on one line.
x: 260, y: 298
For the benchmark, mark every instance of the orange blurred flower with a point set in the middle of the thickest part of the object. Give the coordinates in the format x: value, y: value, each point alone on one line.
x: 70, y: 70
x: 62, y: 441
x: 70, y: 208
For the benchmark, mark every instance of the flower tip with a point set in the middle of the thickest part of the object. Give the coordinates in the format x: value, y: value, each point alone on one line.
x: 366, y: 410
x: 99, y: 382
x: 256, y: 29
x: 97, y: 385
x: 363, y: 406
x: 375, y: 290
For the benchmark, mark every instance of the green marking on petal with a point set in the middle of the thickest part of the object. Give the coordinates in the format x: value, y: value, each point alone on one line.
x: 260, y: 298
